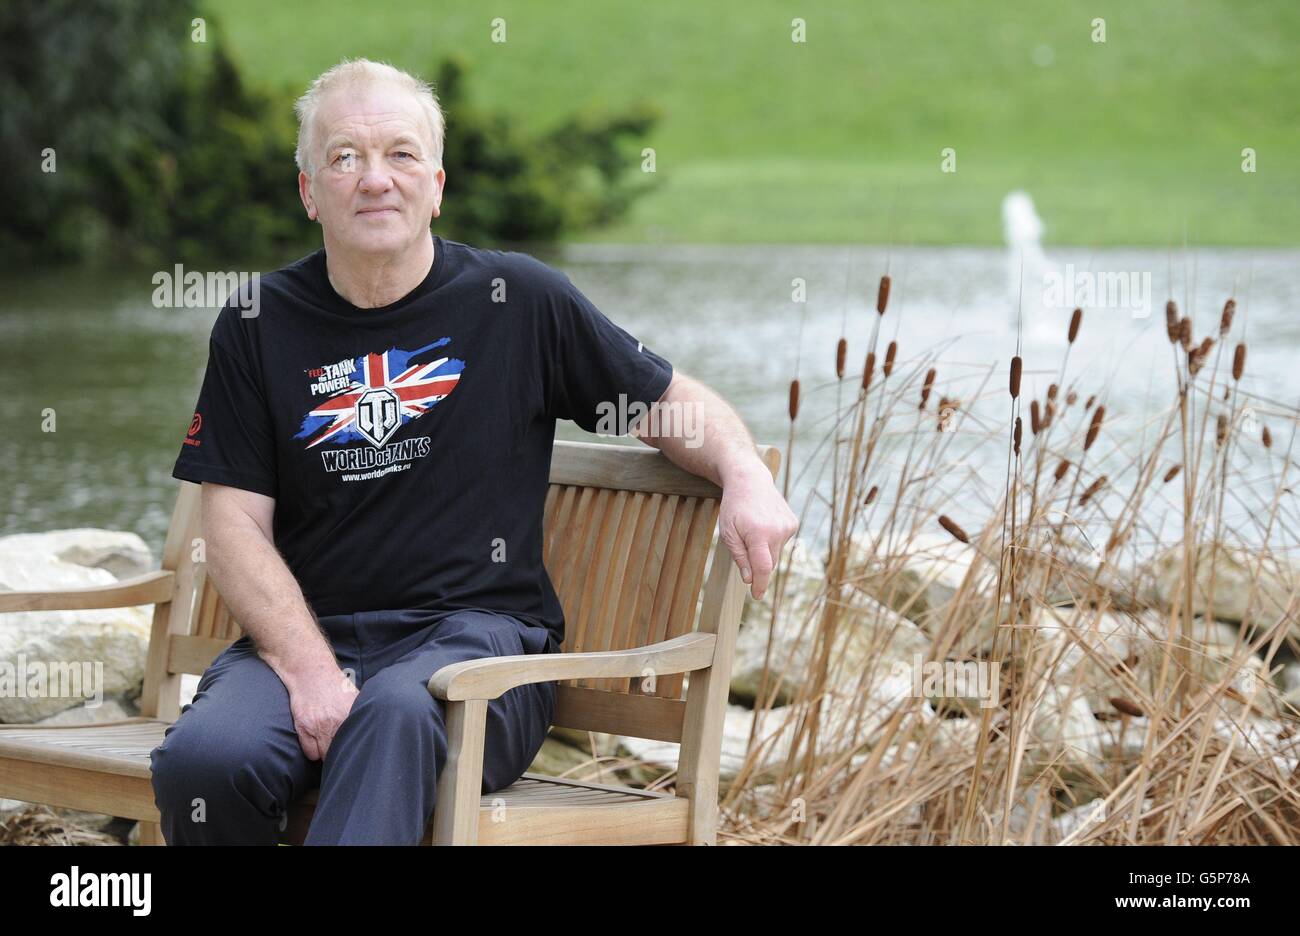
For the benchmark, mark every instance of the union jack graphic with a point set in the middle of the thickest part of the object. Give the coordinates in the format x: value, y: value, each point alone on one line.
x: 386, y: 392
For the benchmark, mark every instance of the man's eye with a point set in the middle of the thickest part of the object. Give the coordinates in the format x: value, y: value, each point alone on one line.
x: 404, y: 153
x: 345, y: 159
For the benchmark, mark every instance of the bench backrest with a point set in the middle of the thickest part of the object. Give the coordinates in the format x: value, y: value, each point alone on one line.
x: 628, y: 539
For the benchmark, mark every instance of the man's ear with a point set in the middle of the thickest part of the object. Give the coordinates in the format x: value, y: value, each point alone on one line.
x: 304, y: 192
x: 440, y: 182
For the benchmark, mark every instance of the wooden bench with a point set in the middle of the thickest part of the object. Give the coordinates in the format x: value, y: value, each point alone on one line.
x: 627, y: 543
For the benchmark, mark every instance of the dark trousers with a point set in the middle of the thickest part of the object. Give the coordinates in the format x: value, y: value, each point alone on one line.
x: 231, y: 764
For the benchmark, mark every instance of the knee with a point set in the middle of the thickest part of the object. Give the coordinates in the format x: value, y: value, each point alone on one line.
x: 193, y: 764
x: 398, y: 702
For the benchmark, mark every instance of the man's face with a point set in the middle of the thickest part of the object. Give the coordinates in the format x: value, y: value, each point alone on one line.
x: 375, y: 189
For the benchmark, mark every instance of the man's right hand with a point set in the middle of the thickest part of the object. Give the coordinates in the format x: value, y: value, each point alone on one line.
x: 263, y: 595
x: 319, y: 706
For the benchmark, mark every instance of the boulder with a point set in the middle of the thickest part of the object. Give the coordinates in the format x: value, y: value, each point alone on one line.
x: 869, y: 640
x: 106, y: 646
x: 1234, y: 574
x: 121, y: 554
x: 1066, y: 737
x: 916, y: 576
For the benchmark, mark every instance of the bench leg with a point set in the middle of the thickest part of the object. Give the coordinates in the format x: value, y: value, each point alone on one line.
x: 151, y: 834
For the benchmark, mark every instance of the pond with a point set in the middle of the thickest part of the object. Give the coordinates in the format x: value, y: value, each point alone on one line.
x: 120, y: 376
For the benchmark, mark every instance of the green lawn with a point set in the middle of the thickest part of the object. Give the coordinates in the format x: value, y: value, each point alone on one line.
x: 1134, y: 141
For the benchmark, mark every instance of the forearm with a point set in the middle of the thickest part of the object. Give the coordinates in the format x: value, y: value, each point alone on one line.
x: 265, y: 598
x: 702, y: 433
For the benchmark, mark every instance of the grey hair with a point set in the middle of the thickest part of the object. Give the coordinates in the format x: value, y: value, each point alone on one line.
x: 352, y: 72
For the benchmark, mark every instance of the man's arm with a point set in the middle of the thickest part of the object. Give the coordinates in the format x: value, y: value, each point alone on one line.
x: 267, y: 601
x: 754, y: 520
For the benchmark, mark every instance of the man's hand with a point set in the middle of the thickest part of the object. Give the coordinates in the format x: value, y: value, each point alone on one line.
x: 319, y: 706
x: 755, y: 522
x: 263, y: 595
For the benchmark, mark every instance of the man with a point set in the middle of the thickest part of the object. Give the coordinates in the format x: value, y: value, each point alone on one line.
x: 374, y: 447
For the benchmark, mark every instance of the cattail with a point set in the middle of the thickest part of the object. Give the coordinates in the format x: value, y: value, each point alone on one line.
x: 1225, y: 321
x: 1171, y: 321
x: 1071, y: 398
x: 1035, y: 424
x: 1266, y: 437
x: 1015, y: 376
x: 1091, y: 490
x: 1238, y: 361
x: 1075, y: 321
x: 1048, y: 412
x: 1094, y: 427
x: 1194, y: 361
x: 890, y: 353
x: 882, y: 295
x: 1227, y: 392
x: 1051, y: 391
x: 925, y: 387
x: 1015, y: 435
x: 957, y: 532
x: 1062, y: 468
x: 1172, y: 473
x: 1127, y: 707
x: 1185, y: 333
x: 946, y: 408
x: 871, y: 495
x: 794, y: 399
x: 841, y: 351
x: 869, y: 369
x: 1220, y: 429
x: 1091, y: 400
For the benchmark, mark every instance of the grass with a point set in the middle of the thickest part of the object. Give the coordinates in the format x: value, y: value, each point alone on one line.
x: 1121, y: 718
x: 838, y: 140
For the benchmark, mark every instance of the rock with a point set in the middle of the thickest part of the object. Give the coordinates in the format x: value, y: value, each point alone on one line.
x: 557, y: 758
x: 1260, y: 734
x: 1086, y: 818
x: 868, y: 636
x: 1289, y: 681
x: 121, y: 554
x: 109, y: 710
x: 1123, y: 740
x: 1228, y: 658
x: 1030, y: 822
x: 1067, y: 737
x: 605, y: 745
x: 802, y: 580
x: 82, y: 654
x: 1233, y: 570
x: 189, y: 686
x: 775, y: 730
x: 916, y: 576
x: 1108, y: 653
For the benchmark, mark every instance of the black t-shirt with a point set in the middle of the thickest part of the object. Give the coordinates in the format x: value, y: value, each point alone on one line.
x: 408, y: 447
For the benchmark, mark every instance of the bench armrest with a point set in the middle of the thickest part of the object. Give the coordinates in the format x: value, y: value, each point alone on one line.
x: 150, y: 588
x: 489, y: 677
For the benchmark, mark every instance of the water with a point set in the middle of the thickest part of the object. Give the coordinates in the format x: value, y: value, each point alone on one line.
x: 121, y: 376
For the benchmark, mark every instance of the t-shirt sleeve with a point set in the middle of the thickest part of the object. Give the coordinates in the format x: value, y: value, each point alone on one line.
x: 593, y: 368
x: 229, y: 440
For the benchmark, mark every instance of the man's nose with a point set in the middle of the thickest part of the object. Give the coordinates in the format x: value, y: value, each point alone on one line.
x: 375, y: 176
